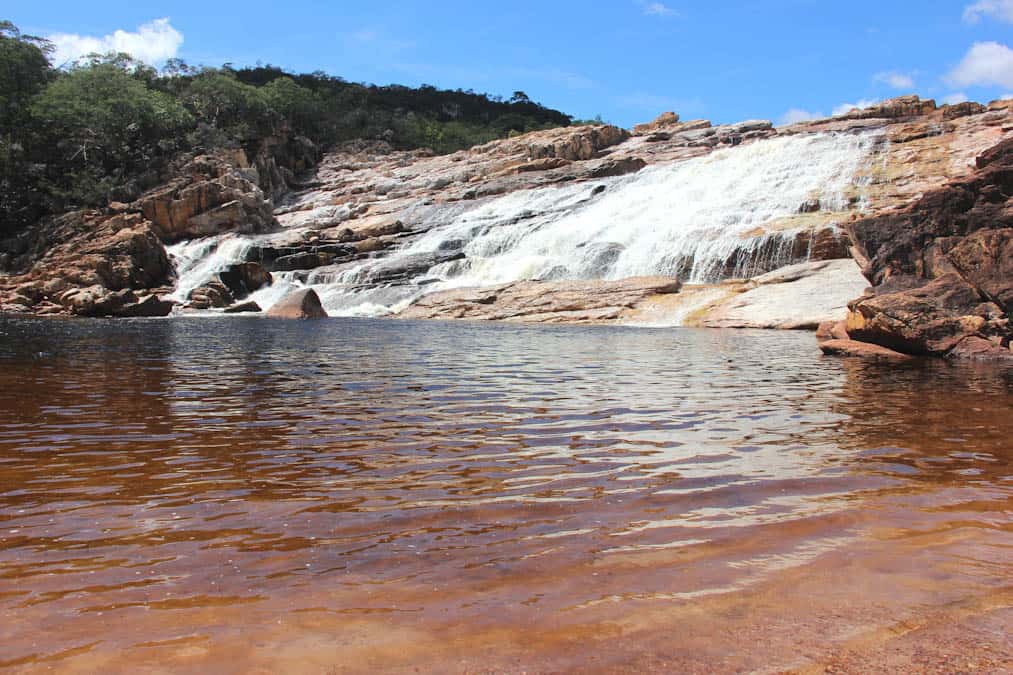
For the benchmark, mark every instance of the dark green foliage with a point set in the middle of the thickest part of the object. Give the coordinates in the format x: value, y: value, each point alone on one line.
x: 24, y: 71
x: 106, y: 127
x: 102, y: 126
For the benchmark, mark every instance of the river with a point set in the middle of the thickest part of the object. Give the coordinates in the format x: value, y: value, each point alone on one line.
x: 361, y: 495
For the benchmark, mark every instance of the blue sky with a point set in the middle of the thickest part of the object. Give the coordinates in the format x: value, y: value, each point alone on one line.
x: 626, y: 60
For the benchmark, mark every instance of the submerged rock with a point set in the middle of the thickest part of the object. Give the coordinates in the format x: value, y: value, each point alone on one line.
x: 301, y: 304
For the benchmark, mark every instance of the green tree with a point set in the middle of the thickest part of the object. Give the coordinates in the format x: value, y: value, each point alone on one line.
x: 24, y: 70
x: 217, y: 98
x: 103, y: 124
x: 300, y: 106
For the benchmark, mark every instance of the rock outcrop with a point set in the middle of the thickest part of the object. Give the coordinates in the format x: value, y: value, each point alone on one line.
x: 367, y: 204
x: 799, y: 296
x: 864, y: 350
x: 942, y: 268
x: 211, y: 194
x: 89, y: 263
x: 544, y: 301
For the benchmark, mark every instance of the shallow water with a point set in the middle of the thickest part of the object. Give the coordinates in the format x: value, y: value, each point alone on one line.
x: 242, y: 495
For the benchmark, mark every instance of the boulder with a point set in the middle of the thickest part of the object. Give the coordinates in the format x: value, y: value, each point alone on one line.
x: 832, y: 330
x: 147, y: 306
x: 213, y: 294
x: 244, y: 278
x: 665, y: 119
x: 301, y: 304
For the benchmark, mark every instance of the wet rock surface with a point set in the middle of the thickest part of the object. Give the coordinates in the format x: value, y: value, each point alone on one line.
x: 796, y: 297
x: 591, y: 301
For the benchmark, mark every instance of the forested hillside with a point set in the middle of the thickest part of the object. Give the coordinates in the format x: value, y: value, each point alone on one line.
x: 107, y: 127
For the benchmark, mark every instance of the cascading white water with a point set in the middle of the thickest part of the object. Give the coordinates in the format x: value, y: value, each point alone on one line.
x: 686, y: 219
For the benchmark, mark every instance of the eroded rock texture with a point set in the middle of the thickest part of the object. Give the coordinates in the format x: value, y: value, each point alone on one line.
x: 942, y: 268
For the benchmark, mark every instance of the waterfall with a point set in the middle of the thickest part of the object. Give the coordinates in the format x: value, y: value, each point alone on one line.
x: 732, y: 213
x: 686, y: 219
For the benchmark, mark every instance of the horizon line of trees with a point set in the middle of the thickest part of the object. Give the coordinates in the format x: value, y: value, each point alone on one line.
x: 105, y: 127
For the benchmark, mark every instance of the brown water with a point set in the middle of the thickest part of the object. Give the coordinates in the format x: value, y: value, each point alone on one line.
x: 251, y: 496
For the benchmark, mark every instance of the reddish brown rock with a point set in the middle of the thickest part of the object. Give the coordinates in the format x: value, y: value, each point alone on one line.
x: 665, y: 119
x: 210, y: 195
x: 301, y: 304
x: 92, y: 256
x: 832, y: 330
x: 894, y: 108
x: 573, y: 143
x: 212, y: 295
x: 979, y: 349
x: 941, y: 269
x: 245, y: 278
x: 865, y: 350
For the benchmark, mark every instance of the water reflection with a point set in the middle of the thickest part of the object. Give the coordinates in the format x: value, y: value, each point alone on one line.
x: 155, y: 474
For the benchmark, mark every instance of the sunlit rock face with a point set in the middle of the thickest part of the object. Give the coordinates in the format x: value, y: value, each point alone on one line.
x: 942, y: 268
x: 374, y: 230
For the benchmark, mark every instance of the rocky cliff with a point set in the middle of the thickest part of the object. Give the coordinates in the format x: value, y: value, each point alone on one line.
x: 524, y: 228
x: 113, y: 262
x: 941, y: 268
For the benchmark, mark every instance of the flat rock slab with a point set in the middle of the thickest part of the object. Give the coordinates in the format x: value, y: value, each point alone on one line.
x: 590, y: 301
x: 301, y: 304
x: 794, y: 297
x: 865, y: 350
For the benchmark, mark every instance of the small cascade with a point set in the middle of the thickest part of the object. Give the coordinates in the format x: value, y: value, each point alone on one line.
x: 197, y: 261
x: 734, y: 213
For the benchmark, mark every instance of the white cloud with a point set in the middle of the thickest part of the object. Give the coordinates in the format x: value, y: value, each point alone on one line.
x: 895, y: 79
x: 153, y: 42
x: 955, y: 98
x: 845, y: 108
x: 657, y: 9
x: 986, y: 64
x: 997, y: 9
x: 796, y: 115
